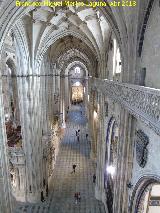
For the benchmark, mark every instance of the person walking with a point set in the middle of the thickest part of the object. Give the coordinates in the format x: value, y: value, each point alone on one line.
x: 79, y: 197
x: 78, y: 137
x: 42, y: 197
x: 74, y: 168
x: 47, y: 190
x: 94, y: 178
x: 76, y: 197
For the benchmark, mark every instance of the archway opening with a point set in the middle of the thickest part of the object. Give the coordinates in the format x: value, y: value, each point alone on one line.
x: 149, y: 201
x: 77, y: 93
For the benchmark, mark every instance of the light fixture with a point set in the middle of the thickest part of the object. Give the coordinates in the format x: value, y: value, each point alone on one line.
x: 110, y: 170
x: 77, y: 84
x: 95, y: 114
x: 6, y: 117
x: 77, y: 70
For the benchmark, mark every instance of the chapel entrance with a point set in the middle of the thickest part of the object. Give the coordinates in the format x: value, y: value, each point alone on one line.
x: 77, y: 93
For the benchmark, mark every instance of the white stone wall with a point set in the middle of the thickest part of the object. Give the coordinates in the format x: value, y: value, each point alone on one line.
x: 151, y: 49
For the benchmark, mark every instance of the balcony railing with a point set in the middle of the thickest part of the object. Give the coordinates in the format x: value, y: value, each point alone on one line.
x: 142, y: 102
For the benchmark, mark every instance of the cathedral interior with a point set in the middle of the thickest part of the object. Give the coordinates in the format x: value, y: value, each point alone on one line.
x: 80, y: 108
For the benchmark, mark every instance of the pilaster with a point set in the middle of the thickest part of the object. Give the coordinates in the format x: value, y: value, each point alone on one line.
x: 99, y: 189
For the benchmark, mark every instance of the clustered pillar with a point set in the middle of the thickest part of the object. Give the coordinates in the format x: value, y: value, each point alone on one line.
x: 99, y: 189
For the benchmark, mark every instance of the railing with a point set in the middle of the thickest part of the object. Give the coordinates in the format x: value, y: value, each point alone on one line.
x: 141, y: 102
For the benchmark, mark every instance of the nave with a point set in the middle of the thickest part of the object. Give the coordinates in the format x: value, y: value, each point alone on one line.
x: 65, y: 183
x: 107, y: 58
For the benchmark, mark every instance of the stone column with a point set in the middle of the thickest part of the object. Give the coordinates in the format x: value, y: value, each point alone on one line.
x: 15, y: 101
x: 69, y: 92
x: 44, y: 110
x: 86, y: 95
x: 56, y: 101
x: 6, y: 200
x: 17, y: 178
x: 22, y: 178
x: 46, y: 143
x: 6, y: 90
x: 91, y: 127
x: 123, y: 164
x: 50, y: 102
x: 99, y: 190
x: 62, y: 100
x: 87, y: 105
x: 30, y: 111
x: 5, y: 187
x: 58, y: 86
x: 66, y: 94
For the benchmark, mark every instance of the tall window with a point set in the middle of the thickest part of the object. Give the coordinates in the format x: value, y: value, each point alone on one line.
x: 77, y: 70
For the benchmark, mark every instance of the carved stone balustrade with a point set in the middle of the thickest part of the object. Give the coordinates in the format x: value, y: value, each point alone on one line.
x: 142, y: 102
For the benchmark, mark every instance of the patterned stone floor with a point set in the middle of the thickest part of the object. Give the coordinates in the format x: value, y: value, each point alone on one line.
x: 65, y: 183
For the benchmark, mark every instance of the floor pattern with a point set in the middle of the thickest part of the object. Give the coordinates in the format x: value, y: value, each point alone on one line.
x: 65, y: 183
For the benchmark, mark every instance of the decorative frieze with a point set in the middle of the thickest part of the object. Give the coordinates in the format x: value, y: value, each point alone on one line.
x: 141, y: 102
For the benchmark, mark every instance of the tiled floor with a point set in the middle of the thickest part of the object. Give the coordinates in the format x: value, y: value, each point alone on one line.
x: 65, y: 183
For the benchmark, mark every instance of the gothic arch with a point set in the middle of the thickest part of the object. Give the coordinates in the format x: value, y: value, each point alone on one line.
x: 15, y: 13
x: 139, y: 191
x: 58, y: 36
x: 144, y: 26
x: 79, y: 63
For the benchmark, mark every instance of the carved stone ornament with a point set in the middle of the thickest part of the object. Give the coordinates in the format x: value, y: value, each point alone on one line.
x: 142, y: 102
x: 142, y: 141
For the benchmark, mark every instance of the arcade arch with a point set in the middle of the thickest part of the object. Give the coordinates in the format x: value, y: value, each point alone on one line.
x: 145, y: 196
